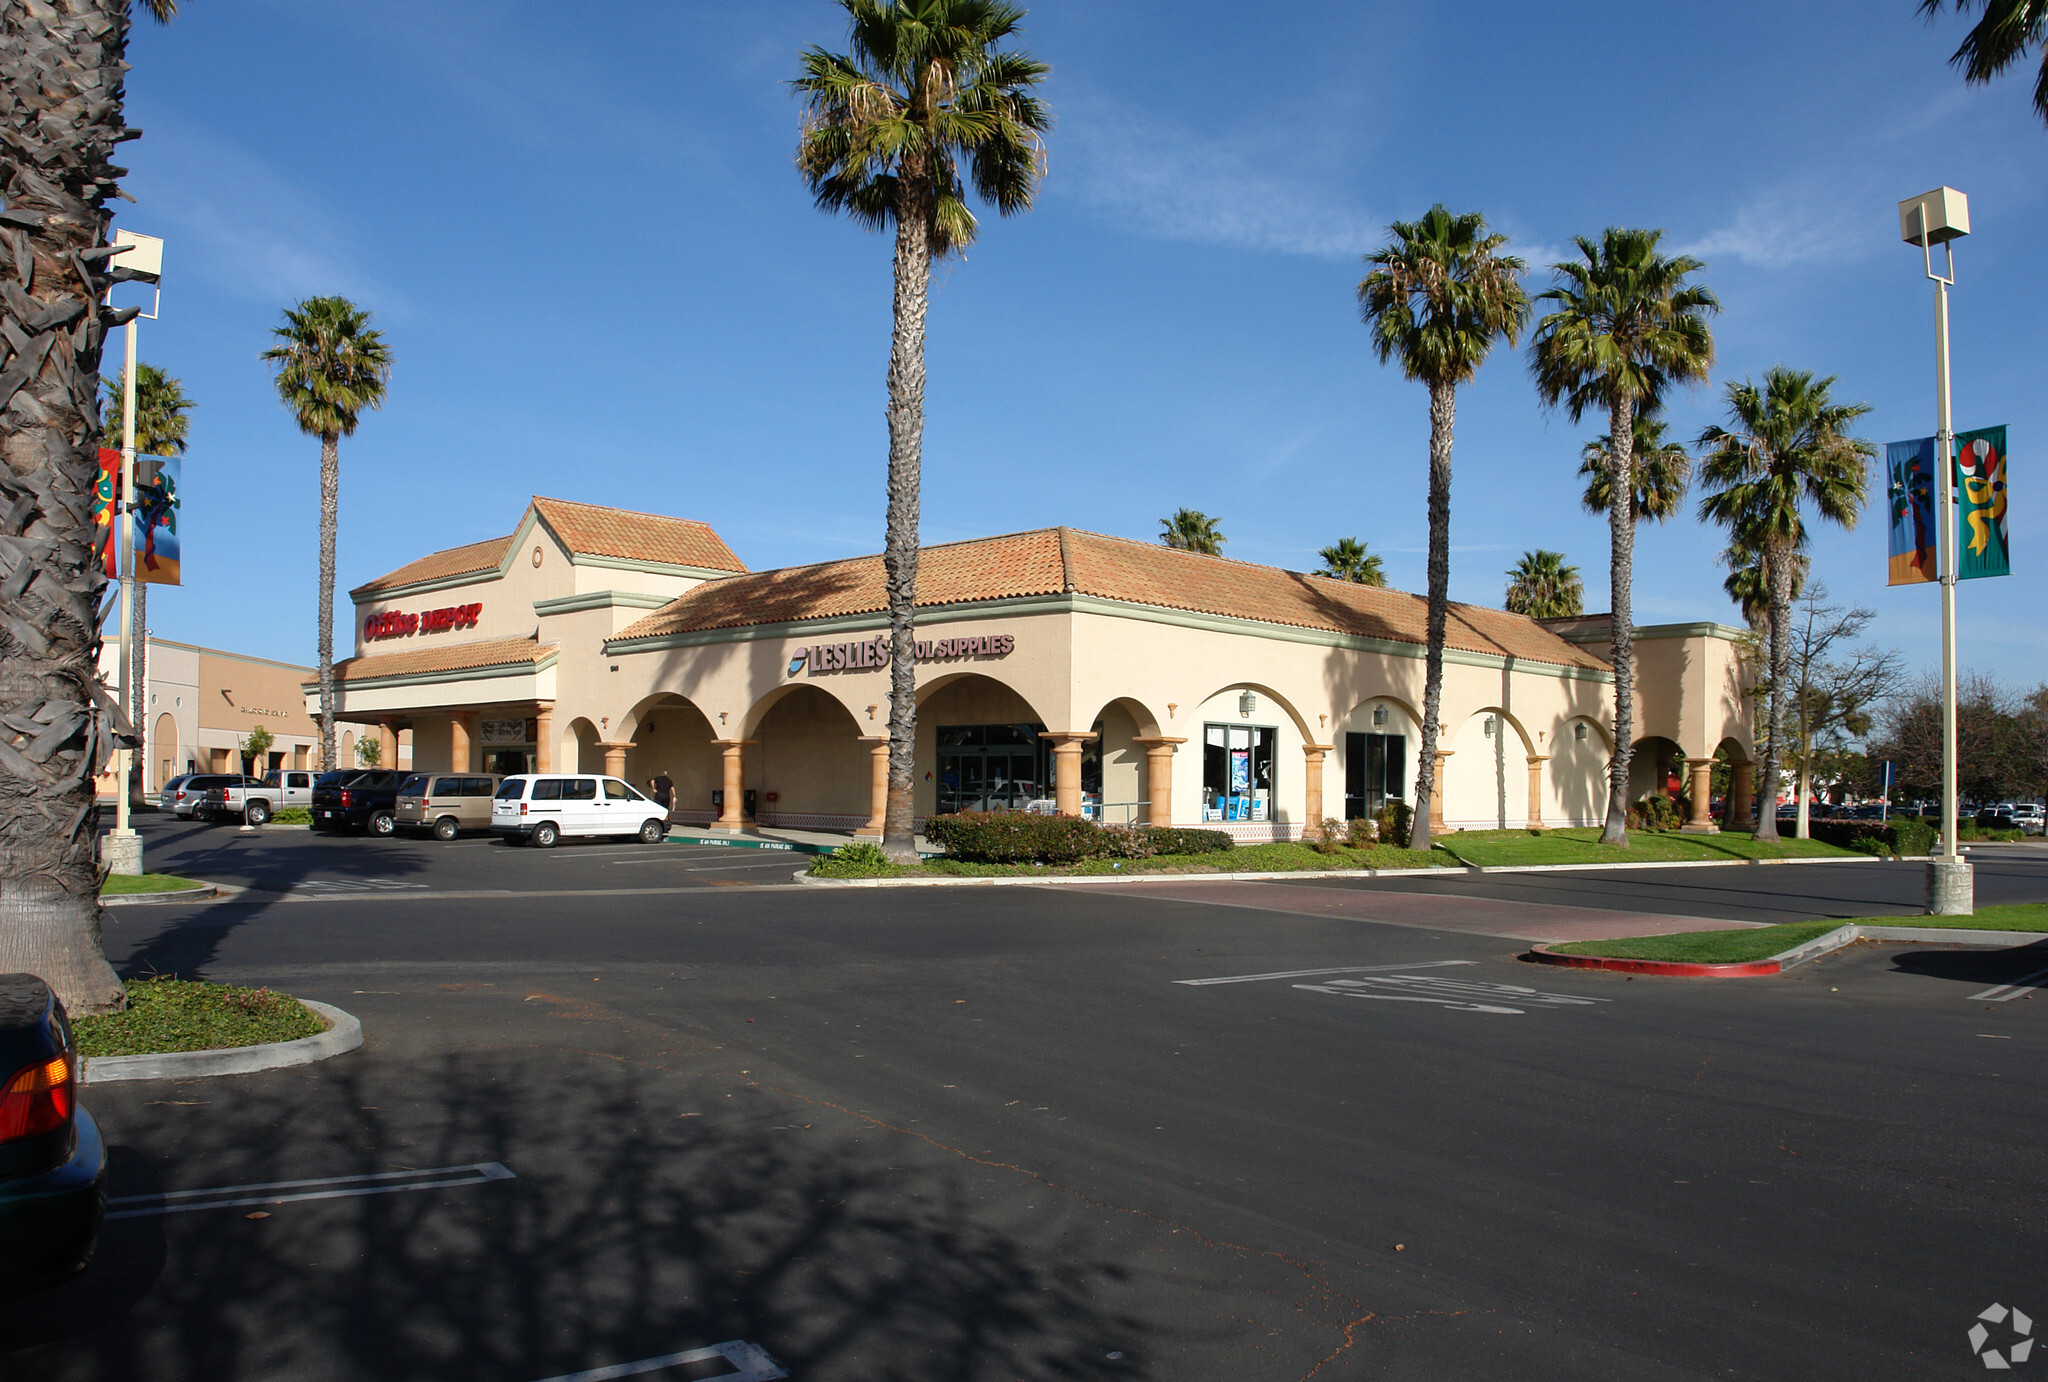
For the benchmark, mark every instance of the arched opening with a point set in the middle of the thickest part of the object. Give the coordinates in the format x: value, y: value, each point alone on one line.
x: 807, y: 768
x: 1576, y: 775
x: 1657, y: 768
x: 346, y: 751
x: 582, y: 748
x: 1486, y: 777
x: 671, y: 738
x: 1254, y: 776
x: 164, y: 751
x: 978, y: 749
x: 1733, y: 800
x: 1377, y: 747
x: 1113, y: 766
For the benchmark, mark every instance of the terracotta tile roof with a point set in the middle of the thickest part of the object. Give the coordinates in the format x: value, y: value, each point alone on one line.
x: 1054, y: 560
x: 447, y: 657
x: 592, y: 530
x: 474, y: 559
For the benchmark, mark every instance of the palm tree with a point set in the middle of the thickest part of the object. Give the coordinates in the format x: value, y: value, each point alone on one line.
x: 1626, y: 327
x: 1349, y: 560
x: 889, y: 128
x: 1749, y: 582
x: 1663, y: 471
x: 2000, y: 39
x: 330, y: 366
x: 160, y: 430
x: 62, y: 66
x: 1437, y: 298
x: 1541, y: 586
x: 1191, y: 530
x: 1790, y: 447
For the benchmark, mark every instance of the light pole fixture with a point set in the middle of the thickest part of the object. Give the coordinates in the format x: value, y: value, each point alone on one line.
x: 139, y: 259
x: 1942, y: 217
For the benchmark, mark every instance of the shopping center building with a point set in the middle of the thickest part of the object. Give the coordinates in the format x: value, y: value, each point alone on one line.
x: 1057, y: 670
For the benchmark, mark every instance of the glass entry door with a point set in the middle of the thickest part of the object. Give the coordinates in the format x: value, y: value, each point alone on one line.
x: 1375, y: 769
x: 991, y: 768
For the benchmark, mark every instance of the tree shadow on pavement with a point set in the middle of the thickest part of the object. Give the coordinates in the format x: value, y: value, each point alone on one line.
x: 652, y: 1212
x: 1981, y: 967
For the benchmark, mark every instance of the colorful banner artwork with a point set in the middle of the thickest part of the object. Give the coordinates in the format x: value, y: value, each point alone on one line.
x: 1910, y: 468
x: 103, y: 512
x: 1980, y: 505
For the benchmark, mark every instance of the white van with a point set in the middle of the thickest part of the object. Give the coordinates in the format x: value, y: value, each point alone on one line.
x: 541, y: 808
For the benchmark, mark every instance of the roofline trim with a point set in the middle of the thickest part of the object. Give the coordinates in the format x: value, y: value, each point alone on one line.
x: 490, y: 672
x: 601, y: 599
x: 1097, y: 605
x: 1705, y: 628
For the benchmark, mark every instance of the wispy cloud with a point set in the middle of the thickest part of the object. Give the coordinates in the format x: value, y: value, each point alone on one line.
x: 1787, y: 228
x: 1160, y: 177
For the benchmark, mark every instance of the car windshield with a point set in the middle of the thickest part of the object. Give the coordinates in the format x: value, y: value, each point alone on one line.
x: 413, y: 786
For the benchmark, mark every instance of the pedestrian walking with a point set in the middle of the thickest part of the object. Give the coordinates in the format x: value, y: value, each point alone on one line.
x: 664, y: 791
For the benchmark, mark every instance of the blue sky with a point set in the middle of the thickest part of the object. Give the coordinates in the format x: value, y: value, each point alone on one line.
x: 604, y: 281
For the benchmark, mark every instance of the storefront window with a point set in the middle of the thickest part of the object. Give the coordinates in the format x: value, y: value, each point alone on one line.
x: 1375, y: 770
x: 992, y: 768
x: 1237, y: 772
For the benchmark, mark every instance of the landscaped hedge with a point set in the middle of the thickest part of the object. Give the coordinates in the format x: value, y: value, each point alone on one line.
x: 1013, y: 837
x: 1900, y: 835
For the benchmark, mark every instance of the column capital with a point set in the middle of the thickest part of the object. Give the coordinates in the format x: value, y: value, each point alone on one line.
x: 615, y: 743
x: 872, y: 740
x: 1536, y: 758
x: 1157, y: 741
x: 1061, y: 738
x: 1318, y: 748
x: 734, y: 743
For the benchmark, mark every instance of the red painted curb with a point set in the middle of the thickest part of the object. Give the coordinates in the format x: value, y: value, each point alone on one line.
x: 1543, y: 954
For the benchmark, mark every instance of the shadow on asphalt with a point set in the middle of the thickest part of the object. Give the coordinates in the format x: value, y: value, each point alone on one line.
x: 1979, y: 967
x: 631, y: 1231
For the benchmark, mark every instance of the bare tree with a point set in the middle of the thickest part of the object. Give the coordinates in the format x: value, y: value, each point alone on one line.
x: 1835, y: 694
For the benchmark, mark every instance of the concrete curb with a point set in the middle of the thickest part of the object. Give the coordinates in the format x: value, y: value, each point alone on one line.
x: 1820, y: 945
x: 154, y: 899
x: 344, y: 1033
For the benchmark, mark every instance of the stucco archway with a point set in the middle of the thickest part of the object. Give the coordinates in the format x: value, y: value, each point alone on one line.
x: 163, y: 758
x: 670, y: 736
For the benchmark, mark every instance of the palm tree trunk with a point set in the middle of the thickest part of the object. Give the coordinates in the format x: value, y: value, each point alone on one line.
x: 60, y: 111
x: 900, y: 544
x: 1778, y: 573
x: 330, y: 519
x: 1443, y: 413
x: 1621, y: 530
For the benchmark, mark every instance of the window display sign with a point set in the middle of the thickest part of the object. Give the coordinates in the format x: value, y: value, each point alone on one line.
x: 1237, y: 772
x: 504, y: 732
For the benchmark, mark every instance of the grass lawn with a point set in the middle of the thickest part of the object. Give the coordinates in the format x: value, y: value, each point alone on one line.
x: 1494, y: 848
x: 118, y: 884
x: 179, y: 1015
x: 1268, y: 858
x: 1737, y: 947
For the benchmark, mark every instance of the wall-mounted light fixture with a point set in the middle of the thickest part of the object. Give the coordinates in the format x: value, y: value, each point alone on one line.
x: 1579, y: 731
x: 1379, y: 716
x: 1246, y: 704
x: 1489, y: 726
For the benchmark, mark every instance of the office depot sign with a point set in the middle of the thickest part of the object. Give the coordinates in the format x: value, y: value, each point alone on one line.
x: 394, y: 624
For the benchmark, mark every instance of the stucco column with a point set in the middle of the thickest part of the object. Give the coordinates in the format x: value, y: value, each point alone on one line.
x: 1159, y: 751
x: 544, y: 737
x: 1701, y: 821
x: 1066, y: 768
x: 1436, y: 797
x: 387, y: 744
x: 1740, y: 790
x: 614, y: 757
x: 1312, y: 783
x: 734, y: 815
x: 458, y: 741
x: 1536, y: 762
x: 878, y: 791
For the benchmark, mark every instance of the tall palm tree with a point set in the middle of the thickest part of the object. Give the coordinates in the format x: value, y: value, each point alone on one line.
x: 1789, y: 448
x: 1748, y: 582
x: 330, y: 366
x: 1541, y: 586
x: 1437, y: 298
x: 1625, y: 327
x: 2000, y: 39
x: 1663, y: 471
x: 1191, y: 530
x: 62, y: 64
x: 160, y: 430
x: 890, y: 127
x: 1348, y: 560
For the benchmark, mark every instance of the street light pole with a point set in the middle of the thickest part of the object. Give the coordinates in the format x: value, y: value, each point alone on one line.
x: 141, y: 260
x: 1941, y: 217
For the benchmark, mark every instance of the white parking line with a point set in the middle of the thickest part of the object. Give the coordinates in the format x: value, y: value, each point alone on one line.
x: 336, y: 1188
x: 1454, y: 994
x: 356, y: 885
x: 1314, y: 973
x: 752, y: 1360
x: 2005, y: 993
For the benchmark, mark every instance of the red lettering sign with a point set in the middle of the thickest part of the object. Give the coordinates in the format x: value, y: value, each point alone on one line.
x: 392, y: 623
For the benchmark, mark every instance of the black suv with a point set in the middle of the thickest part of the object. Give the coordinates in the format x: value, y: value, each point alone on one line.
x: 53, y: 1166
x: 359, y: 800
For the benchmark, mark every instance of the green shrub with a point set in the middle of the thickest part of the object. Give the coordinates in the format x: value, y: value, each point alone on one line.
x: 1395, y: 820
x: 1655, y: 812
x: 292, y: 815
x: 1362, y: 832
x: 1126, y: 842
x: 1912, y: 835
x: 1900, y: 835
x: 1012, y: 837
x: 860, y: 859
x: 1328, y: 839
x: 1174, y: 839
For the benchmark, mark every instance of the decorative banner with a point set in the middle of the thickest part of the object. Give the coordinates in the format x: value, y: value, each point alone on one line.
x: 156, y: 518
x: 1980, y: 511
x: 1910, y: 465
x: 103, y: 512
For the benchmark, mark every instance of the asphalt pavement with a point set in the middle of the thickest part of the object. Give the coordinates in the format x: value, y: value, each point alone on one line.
x: 1002, y: 1133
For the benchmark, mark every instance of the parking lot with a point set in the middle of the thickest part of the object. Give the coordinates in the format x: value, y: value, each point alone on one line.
x: 1075, y: 1132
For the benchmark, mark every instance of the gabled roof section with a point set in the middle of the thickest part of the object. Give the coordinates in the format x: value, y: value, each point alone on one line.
x: 1068, y: 561
x: 450, y: 657
x: 472, y: 560
x: 591, y: 530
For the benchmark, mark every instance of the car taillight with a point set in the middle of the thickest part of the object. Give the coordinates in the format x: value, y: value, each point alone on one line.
x: 344, y: 800
x: 38, y: 1099
x: 522, y: 808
